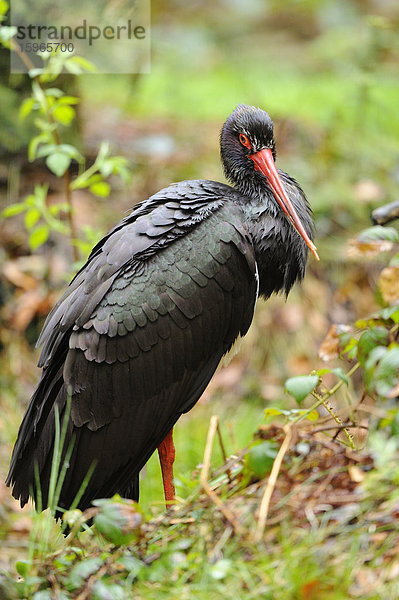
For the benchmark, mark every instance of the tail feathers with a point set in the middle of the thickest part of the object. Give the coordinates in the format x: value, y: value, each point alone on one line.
x: 132, y: 491
x: 32, y: 447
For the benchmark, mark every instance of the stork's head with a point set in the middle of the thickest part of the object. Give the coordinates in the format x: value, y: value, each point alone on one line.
x: 248, y: 153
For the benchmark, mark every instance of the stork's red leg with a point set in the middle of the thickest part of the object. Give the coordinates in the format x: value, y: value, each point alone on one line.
x: 166, y: 451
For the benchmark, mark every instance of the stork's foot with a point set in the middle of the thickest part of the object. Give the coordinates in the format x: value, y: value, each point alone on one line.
x: 166, y: 451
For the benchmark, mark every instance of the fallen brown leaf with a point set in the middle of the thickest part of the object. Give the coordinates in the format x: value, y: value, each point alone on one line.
x: 329, y: 348
x: 368, y: 249
x: 389, y: 285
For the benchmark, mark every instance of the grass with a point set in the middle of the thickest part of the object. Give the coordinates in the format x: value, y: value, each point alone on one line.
x: 330, y: 542
x: 237, y: 420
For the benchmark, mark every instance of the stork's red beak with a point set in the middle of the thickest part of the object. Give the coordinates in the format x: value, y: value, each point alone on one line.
x: 265, y: 164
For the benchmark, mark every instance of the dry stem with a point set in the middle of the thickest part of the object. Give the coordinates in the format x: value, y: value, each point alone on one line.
x: 213, y: 425
x: 271, y: 483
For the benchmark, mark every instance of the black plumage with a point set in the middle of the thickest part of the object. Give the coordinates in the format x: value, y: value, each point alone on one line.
x: 142, y: 327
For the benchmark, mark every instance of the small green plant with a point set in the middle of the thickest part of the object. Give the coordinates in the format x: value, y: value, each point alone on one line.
x: 54, y: 112
x: 371, y: 345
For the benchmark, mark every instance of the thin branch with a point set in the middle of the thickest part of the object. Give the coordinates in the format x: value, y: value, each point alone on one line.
x: 15, y: 47
x: 339, y: 427
x: 221, y: 443
x: 206, y: 463
x: 271, y: 483
x: 72, y: 227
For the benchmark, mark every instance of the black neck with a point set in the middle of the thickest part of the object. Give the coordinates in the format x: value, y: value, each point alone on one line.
x: 281, y: 253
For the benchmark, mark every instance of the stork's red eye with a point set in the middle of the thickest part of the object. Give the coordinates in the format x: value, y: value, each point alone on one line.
x: 245, y: 141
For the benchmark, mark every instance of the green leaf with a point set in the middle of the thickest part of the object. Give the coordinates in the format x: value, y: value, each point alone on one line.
x: 132, y: 564
x: 77, y: 64
x: 83, y: 570
x: 4, y: 6
x: 340, y: 373
x: 349, y: 344
x: 378, y: 232
x: 43, y: 595
x: 72, y: 152
x: 6, y: 33
x: 37, y: 90
x: 377, y: 336
x: 387, y: 372
x: 272, y: 412
x: 22, y: 567
x: 13, y: 209
x: 390, y: 415
x: 361, y: 324
x: 64, y: 114
x: 46, y: 127
x: 102, y: 189
x: 55, y: 209
x: 85, y: 180
x: 58, y: 163
x: 30, y: 200
x: 260, y: 457
x: 103, y: 152
x: 35, y: 72
x: 118, y: 520
x: 32, y: 216
x: 323, y: 371
x: 26, y: 108
x: 107, y: 591
x: 39, y: 197
x: 106, y: 168
x: 375, y: 355
x: 71, y: 516
x: 299, y: 387
x: 56, y: 92
x: 52, y: 68
x: 313, y: 415
x: 395, y: 424
x: 390, y: 313
x: 34, y: 143
x: 69, y: 100
x: 38, y: 236
x: 46, y: 149
x: 72, y: 67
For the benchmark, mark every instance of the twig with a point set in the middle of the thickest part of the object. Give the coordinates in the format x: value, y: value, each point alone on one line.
x: 221, y: 443
x: 86, y: 516
x: 85, y: 594
x: 206, y: 463
x: 15, y: 47
x: 72, y: 227
x: 232, y: 437
x: 339, y: 422
x: 339, y: 428
x: 271, y: 484
x: 216, y: 553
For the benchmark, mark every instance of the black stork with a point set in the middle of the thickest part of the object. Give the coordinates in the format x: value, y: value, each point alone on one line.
x: 141, y: 329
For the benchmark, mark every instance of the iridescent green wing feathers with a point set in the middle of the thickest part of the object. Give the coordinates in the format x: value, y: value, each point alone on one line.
x: 173, y: 289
